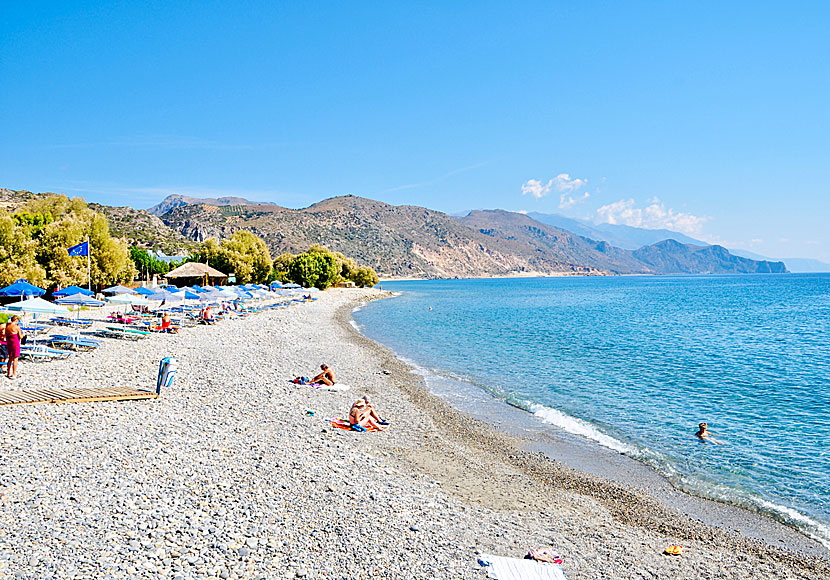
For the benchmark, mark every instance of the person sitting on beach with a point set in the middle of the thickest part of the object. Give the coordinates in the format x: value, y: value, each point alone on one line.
x: 363, y: 415
x: 167, y: 324
x: 326, y: 377
x: 705, y: 435
x: 207, y: 316
x: 372, y: 412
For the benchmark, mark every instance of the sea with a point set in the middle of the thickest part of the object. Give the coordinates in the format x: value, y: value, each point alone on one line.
x: 636, y: 363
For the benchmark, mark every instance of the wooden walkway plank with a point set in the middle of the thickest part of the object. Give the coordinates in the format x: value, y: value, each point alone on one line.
x: 74, y: 395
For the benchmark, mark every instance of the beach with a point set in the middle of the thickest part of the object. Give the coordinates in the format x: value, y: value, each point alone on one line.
x: 229, y: 474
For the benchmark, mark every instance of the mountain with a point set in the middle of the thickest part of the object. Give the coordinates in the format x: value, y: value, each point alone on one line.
x: 410, y: 241
x: 173, y: 201
x: 664, y: 257
x: 418, y: 242
x: 797, y: 265
x: 626, y: 237
x: 394, y: 240
x: 10, y: 198
x: 143, y: 229
x: 670, y: 256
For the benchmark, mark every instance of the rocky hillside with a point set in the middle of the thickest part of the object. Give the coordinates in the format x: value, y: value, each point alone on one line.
x: 409, y: 240
x: 664, y: 257
x: 10, y: 199
x: 141, y: 228
x: 394, y: 240
x: 415, y: 241
x: 174, y: 201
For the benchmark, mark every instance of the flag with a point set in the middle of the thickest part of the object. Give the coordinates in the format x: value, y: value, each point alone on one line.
x: 81, y: 249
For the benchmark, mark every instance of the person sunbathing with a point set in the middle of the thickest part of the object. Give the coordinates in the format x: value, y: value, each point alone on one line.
x: 326, y: 377
x: 363, y: 415
x: 705, y: 435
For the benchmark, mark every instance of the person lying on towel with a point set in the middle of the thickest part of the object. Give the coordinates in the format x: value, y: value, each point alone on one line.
x: 363, y: 415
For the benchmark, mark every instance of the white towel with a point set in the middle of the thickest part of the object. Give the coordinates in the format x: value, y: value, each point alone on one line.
x: 502, y: 568
x: 334, y: 387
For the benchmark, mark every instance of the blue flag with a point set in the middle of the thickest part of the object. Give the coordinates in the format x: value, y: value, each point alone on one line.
x: 79, y: 250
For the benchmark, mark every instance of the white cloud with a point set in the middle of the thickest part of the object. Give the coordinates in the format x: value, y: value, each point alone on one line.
x: 536, y: 188
x: 653, y: 216
x: 562, y: 184
x: 566, y: 201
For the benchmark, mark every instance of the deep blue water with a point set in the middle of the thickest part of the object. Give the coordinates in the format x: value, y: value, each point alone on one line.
x: 635, y: 363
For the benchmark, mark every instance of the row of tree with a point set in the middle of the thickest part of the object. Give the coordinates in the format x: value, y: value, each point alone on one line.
x: 35, y: 238
x: 246, y: 256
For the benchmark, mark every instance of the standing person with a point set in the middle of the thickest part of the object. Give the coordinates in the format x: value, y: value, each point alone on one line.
x: 13, y: 336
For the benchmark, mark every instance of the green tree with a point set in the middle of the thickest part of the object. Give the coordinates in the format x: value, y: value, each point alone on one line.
x: 281, y: 265
x: 18, y: 254
x: 249, y: 256
x: 364, y: 276
x: 313, y: 269
x: 146, y: 264
x: 244, y: 254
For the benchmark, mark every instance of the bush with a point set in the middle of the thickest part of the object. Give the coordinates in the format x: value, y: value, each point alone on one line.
x: 364, y: 276
x: 313, y: 269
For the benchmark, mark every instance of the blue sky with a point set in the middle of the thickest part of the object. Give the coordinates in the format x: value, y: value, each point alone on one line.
x: 709, y: 118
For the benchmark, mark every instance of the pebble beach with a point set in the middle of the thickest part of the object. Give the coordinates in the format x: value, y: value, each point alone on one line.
x: 234, y: 472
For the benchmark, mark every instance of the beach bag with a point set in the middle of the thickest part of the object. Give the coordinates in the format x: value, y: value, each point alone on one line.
x: 23, y: 339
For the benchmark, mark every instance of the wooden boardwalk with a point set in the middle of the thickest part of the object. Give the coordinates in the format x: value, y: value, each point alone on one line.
x: 74, y: 395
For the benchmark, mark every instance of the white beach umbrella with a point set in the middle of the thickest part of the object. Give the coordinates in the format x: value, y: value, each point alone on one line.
x: 136, y: 299
x: 38, y: 306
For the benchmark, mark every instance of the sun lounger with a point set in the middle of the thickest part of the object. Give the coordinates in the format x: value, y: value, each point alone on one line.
x: 41, y: 352
x: 72, y: 342
x: 503, y: 568
x: 79, y: 323
x: 34, y: 329
x: 123, y: 332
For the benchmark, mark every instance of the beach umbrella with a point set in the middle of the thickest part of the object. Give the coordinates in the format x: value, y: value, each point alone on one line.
x: 144, y: 291
x: 70, y: 290
x: 189, y: 294
x: 78, y: 299
x: 38, y: 306
x: 276, y: 284
x: 166, y: 296
x: 22, y: 287
x: 291, y: 285
x: 135, y: 299
x: 118, y: 290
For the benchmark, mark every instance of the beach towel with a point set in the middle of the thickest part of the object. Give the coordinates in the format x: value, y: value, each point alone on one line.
x: 346, y: 426
x: 503, y: 568
x: 334, y: 387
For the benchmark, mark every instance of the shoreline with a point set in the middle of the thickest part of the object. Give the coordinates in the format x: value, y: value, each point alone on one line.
x: 588, y: 458
x: 234, y: 473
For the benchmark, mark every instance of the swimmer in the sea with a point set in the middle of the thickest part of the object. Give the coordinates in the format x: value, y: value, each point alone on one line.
x: 705, y: 435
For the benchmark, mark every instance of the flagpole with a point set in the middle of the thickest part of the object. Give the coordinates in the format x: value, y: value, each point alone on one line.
x: 88, y: 267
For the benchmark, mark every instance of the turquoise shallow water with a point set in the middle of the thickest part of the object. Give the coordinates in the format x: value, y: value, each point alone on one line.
x: 635, y: 363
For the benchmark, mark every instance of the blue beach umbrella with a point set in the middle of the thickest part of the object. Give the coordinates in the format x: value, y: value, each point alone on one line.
x: 70, y: 290
x: 144, y: 291
x: 22, y: 288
